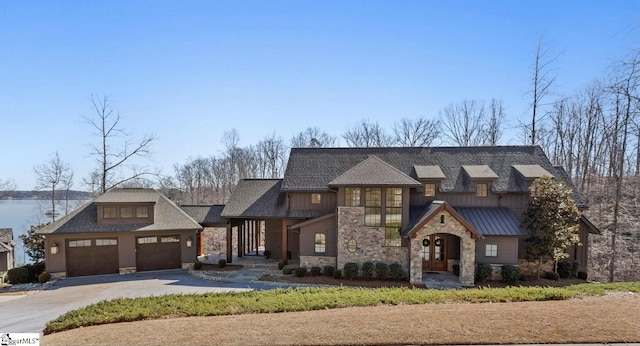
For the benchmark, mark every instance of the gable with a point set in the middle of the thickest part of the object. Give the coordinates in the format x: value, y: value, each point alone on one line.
x: 374, y: 172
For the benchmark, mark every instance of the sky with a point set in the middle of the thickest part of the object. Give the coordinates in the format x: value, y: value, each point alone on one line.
x: 187, y: 71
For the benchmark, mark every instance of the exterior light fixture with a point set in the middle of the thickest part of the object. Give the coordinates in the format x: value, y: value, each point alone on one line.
x: 54, y: 248
x: 189, y: 241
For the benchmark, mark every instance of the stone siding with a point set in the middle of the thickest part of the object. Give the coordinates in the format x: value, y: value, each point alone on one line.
x: 58, y: 275
x: 317, y: 261
x: 127, y: 270
x: 369, y: 241
x: 187, y: 265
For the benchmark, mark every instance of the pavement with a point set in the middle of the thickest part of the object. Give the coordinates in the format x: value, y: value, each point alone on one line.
x: 441, y: 280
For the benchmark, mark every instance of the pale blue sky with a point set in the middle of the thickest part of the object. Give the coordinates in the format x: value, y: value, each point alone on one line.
x: 188, y: 70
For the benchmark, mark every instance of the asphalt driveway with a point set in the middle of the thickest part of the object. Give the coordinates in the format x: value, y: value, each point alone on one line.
x: 29, y: 313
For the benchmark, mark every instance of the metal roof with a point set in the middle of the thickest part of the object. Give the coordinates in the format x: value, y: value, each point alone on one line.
x: 492, y: 221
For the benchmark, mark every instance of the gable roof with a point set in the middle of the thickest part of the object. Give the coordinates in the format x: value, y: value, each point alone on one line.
x: 374, y: 172
x: 206, y: 215
x: 479, y: 172
x: 531, y: 171
x: 428, y: 213
x: 6, y: 235
x: 429, y: 172
x: 128, y: 195
x: 492, y: 221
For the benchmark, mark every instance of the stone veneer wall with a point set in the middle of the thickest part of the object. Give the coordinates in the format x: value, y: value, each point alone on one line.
x: 370, y: 241
x: 127, y: 270
x: 317, y: 261
x: 450, y: 226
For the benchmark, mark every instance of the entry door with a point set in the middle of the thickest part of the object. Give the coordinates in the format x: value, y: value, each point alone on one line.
x: 434, y: 253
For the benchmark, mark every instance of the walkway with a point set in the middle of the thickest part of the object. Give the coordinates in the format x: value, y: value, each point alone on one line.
x: 441, y: 280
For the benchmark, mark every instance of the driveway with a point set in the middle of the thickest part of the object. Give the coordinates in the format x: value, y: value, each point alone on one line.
x: 29, y: 313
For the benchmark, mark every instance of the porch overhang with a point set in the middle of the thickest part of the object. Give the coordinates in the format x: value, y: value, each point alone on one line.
x: 434, y: 209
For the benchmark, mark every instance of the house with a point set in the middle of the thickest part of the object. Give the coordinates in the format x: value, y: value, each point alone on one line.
x: 122, y: 231
x: 7, y: 253
x: 428, y: 209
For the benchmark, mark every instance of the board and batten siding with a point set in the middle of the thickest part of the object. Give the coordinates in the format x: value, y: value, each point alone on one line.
x: 307, y: 238
x: 516, y: 202
x: 302, y: 201
x: 507, y: 250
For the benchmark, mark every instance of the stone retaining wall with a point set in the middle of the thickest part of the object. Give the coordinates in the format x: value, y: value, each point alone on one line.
x: 317, y: 261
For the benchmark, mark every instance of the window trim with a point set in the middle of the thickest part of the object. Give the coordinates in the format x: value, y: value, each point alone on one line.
x: 484, y: 192
x: 125, y: 208
x: 353, y: 199
x: 146, y: 209
x: 491, y: 250
x: 370, y: 206
x: 322, y: 237
x: 431, y: 190
x: 111, y: 216
x: 316, y: 198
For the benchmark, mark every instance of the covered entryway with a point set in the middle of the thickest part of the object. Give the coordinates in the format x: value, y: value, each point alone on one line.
x: 434, y: 252
x: 92, y: 256
x: 158, y: 252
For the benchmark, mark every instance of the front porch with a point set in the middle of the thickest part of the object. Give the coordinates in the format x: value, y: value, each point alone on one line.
x: 255, y: 237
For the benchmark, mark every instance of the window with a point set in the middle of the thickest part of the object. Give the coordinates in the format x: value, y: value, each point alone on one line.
x: 373, y: 207
x: 393, y: 216
x: 147, y: 240
x: 482, y: 190
x: 80, y: 243
x: 171, y: 239
x: 142, y: 212
x: 352, y: 245
x: 320, y: 244
x: 106, y: 242
x: 429, y: 190
x: 491, y: 250
x: 126, y: 212
x: 110, y: 212
x: 352, y: 197
x: 316, y: 198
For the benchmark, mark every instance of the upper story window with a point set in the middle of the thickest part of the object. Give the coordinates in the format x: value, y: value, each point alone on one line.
x: 142, y: 212
x: 373, y: 206
x: 491, y: 250
x: 429, y: 190
x: 316, y: 198
x: 352, y: 197
x: 110, y: 212
x: 393, y: 216
x: 126, y: 212
x: 482, y: 190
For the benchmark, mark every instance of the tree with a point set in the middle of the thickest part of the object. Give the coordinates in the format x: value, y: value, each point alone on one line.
x: 116, y: 149
x: 463, y: 123
x: 418, y: 132
x: 541, y: 82
x: 492, y: 131
x: 34, y: 243
x: 313, y: 137
x: 52, y: 175
x: 367, y: 134
x: 551, y: 220
x: 6, y: 185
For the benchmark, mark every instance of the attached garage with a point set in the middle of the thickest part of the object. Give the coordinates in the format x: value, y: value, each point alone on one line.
x: 158, y: 252
x: 92, y: 256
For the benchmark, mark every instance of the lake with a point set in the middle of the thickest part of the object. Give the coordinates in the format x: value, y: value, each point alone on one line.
x: 21, y: 214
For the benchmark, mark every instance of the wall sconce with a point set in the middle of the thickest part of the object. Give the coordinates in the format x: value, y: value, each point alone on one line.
x: 189, y: 241
x: 54, y: 248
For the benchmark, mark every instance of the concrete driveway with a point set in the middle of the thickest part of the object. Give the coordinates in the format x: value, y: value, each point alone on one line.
x: 29, y: 313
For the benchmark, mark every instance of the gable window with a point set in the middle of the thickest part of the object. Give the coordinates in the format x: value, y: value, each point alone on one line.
x: 126, y: 212
x: 373, y: 206
x: 491, y: 250
x: 320, y: 243
x: 110, y: 212
x: 429, y: 190
x: 482, y: 190
x: 142, y: 212
x: 393, y: 216
x: 316, y: 198
x: 352, y: 197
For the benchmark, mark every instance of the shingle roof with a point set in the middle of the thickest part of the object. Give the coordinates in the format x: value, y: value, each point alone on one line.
x: 532, y: 171
x: 492, y: 221
x: 373, y: 171
x: 167, y: 217
x: 128, y: 195
x: 429, y: 172
x: 6, y: 235
x: 205, y: 215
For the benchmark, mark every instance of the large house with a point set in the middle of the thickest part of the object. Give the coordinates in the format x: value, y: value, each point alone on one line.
x: 7, y: 254
x: 121, y: 231
x: 427, y: 209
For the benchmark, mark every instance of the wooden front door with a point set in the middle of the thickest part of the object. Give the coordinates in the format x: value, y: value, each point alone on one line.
x: 434, y: 253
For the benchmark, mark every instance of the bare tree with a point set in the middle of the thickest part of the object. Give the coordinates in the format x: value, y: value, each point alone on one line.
x: 116, y: 149
x: 272, y: 157
x: 6, y: 185
x: 418, y: 132
x: 313, y: 137
x: 367, y: 134
x: 541, y: 82
x: 492, y: 131
x: 51, y: 175
x: 463, y: 123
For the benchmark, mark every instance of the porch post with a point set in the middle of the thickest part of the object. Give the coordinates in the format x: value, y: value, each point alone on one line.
x: 240, y: 230
x: 284, y: 241
x: 257, y: 230
x: 229, y: 243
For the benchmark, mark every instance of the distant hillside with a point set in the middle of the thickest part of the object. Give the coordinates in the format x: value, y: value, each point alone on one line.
x: 44, y: 195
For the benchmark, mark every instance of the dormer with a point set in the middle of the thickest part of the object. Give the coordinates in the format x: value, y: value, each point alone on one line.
x: 481, y: 177
x: 126, y: 206
x: 529, y: 173
x: 431, y: 177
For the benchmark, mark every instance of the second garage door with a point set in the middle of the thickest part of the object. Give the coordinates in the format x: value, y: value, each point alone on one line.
x: 92, y: 257
x: 158, y: 252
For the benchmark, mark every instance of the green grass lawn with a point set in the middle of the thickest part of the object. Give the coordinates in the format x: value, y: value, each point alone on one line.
x: 305, y: 299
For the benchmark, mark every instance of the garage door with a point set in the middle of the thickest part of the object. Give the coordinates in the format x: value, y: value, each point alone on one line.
x: 158, y: 252
x: 92, y: 257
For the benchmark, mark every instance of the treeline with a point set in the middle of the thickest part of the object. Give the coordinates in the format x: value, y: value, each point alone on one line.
x: 45, y: 195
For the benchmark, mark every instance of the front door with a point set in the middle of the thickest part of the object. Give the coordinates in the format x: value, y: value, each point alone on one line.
x: 434, y: 253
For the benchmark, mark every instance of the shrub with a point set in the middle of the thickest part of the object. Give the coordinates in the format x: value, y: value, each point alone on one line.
x: 44, y: 277
x: 18, y: 275
x: 328, y: 270
x: 222, y: 263
x: 510, y: 274
x: 351, y: 270
x: 551, y: 276
x: 567, y: 268
x: 337, y: 274
x: 301, y: 271
x: 197, y: 265
x: 367, y: 270
x: 483, y: 272
x: 315, y: 271
x: 382, y: 270
x: 582, y: 275
x: 280, y: 265
x: 396, y: 272
x: 34, y: 270
x: 267, y: 254
x: 287, y: 270
x: 456, y: 269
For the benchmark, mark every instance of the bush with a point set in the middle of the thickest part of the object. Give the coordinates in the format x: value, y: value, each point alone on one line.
x: 582, y: 275
x: 44, y: 277
x: 456, y: 269
x: 382, y: 270
x: 18, y: 275
x: 34, y: 270
x: 287, y: 270
x: 328, y: 270
x: 301, y: 271
x: 551, y: 276
x: 367, y: 270
x: 483, y: 272
x: 280, y: 265
x: 337, y: 274
x: 222, y: 263
x: 315, y: 271
x: 568, y: 268
x: 396, y: 272
x: 267, y: 254
x: 510, y: 274
x: 197, y: 265
x: 351, y: 270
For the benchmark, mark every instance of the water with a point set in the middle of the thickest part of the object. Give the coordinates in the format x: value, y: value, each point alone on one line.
x: 21, y: 214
